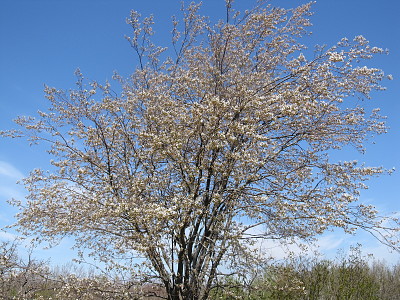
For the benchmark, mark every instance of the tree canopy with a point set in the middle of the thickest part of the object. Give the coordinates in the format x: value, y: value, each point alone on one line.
x: 220, y: 140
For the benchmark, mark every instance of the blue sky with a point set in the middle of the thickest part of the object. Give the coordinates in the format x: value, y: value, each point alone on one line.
x: 44, y: 41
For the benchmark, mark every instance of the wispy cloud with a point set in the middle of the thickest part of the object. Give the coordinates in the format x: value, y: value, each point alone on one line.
x: 11, y: 191
x: 381, y: 252
x: 329, y: 242
x: 9, y: 175
x: 328, y: 246
x: 281, y: 249
x: 7, y: 236
x: 10, y: 171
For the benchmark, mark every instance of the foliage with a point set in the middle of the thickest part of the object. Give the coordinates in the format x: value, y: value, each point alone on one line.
x: 205, y: 152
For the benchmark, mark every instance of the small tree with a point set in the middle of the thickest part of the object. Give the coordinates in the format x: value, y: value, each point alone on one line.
x: 22, y: 278
x: 229, y: 136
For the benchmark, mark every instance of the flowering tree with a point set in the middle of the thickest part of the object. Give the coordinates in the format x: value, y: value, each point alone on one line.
x: 225, y: 142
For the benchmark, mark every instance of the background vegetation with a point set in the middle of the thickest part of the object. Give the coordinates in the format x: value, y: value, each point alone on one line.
x: 349, y: 276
